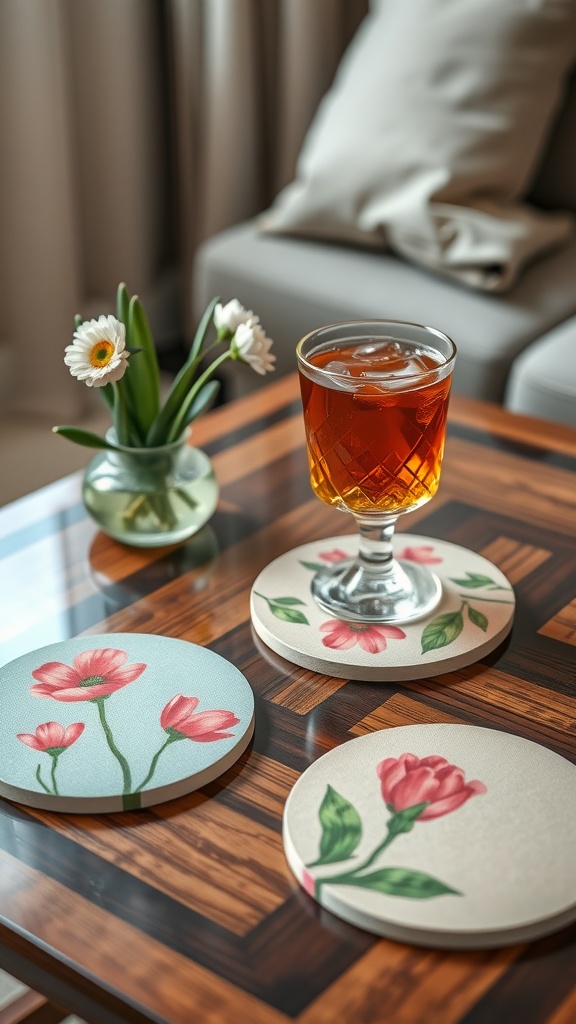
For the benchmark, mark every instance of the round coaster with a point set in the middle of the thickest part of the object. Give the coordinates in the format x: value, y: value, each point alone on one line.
x: 448, y: 836
x: 118, y: 721
x: 474, y: 615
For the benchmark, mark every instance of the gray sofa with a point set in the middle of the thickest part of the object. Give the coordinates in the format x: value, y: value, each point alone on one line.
x: 516, y: 347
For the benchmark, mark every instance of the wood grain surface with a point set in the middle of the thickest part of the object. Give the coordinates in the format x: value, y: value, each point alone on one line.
x: 188, y: 911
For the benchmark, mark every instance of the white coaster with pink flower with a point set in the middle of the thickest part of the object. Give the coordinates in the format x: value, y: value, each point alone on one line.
x: 451, y: 836
x: 474, y: 616
x: 118, y: 721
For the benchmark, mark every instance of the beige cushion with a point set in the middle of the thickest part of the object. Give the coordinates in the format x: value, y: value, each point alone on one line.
x: 431, y: 133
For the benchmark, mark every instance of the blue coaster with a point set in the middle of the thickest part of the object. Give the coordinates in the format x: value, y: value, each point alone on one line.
x: 118, y: 721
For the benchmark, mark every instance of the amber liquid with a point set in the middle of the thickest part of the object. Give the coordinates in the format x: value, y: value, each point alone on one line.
x: 375, y: 445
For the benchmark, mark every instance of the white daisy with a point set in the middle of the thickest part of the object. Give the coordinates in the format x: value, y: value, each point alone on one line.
x: 229, y: 317
x: 252, y: 346
x: 98, y: 354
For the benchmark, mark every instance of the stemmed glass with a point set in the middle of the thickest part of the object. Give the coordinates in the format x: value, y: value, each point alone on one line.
x: 375, y: 400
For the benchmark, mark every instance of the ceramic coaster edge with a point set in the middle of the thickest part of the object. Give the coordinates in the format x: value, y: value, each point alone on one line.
x: 378, y: 674
x: 483, y: 630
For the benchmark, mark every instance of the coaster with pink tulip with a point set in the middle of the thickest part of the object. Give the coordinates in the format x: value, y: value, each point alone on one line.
x: 452, y: 836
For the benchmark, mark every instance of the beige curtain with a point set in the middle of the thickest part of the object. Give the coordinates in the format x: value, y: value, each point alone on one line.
x: 130, y: 130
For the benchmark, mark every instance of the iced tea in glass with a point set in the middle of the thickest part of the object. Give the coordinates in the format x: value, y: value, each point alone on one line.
x: 375, y: 401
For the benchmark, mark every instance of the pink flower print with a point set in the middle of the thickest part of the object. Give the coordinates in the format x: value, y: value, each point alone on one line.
x: 93, y: 674
x: 180, y: 721
x: 336, y: 555
x: 422, y: 554
x: 373, y: 639
x: 409, y: 780
x: 52, y: 737
x: 180, y: 716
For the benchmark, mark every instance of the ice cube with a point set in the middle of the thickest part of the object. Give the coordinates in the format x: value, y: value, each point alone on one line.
x: 337, y: 366
x: 393, y: 357
x: 399, y: 367
x: 383, y: 348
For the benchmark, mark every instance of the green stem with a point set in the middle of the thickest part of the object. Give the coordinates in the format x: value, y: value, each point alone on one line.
x: 154, y: 762
x: 213, y: 344
x: 120, y: 415
x: 187, y: 499
x: 489, y: 600
x: 398, y: 824
x: 110, y: 740
x: 180, y: 419
x: 347, y: 875
x: 53, y: 774
x: 42, y: 783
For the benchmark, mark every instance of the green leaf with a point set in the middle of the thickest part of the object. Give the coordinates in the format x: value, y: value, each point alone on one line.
x: 126, y: 430
x: 83, y: 437
x: 477, y: 618
x: 202, y: 329
x: 183, y: 381
x: 473, y: 581
x: 181, y: 417
x: 313, y: 566
x: 288, y: 614
x: 203, y: 401
x: 341, y: 828
x: 142, y: 378
x: 122, y: 304
x: 442, y: 631
x: 416, y: 885
x: 287, y: 600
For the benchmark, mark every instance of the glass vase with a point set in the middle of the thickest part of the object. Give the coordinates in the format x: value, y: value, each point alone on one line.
x: 150, y: 497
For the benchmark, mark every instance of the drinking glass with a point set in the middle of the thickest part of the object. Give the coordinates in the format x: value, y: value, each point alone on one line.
x: 375, y: 400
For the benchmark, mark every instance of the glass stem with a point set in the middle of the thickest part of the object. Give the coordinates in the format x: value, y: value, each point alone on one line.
x: 375, y: 552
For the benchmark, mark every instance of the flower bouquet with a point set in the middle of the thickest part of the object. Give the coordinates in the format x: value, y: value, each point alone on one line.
x: 148, y: 486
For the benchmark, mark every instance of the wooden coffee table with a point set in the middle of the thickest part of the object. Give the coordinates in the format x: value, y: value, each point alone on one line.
x: 188, y: 912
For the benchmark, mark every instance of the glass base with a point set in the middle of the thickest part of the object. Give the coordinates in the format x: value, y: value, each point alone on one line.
x: 350, y: 592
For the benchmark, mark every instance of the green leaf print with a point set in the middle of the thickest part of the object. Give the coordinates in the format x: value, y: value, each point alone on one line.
x: 475, y: 580
x: 443, y: 630
x: 341, y: 828
x: 288, y: 614
x: 283, y: 608
x: 416, y: 885
x: 477, y: 618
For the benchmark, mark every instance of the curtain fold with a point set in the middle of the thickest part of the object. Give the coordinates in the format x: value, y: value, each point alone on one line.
x: 40, y: 279
x: 131, y: 130
x: 117, y: 97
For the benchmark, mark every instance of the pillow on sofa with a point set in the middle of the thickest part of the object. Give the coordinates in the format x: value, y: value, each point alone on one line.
x: 430, y: 135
